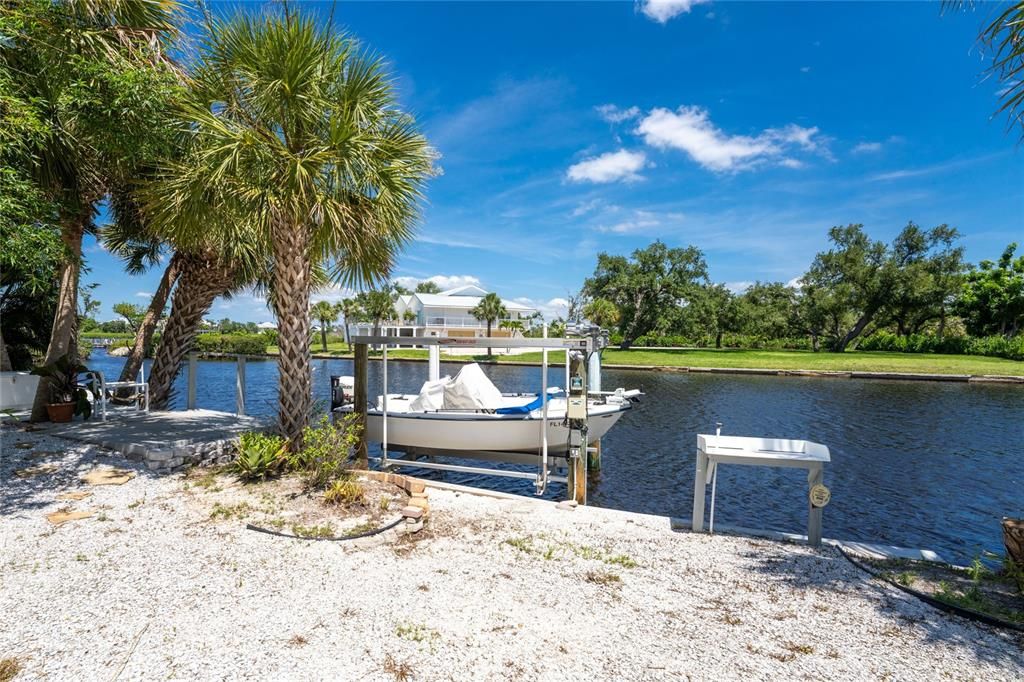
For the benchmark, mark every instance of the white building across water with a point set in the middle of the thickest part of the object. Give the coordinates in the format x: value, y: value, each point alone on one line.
x: 447, y: 314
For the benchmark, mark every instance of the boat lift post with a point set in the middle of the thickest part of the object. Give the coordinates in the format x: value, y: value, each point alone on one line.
x: 584, y: 344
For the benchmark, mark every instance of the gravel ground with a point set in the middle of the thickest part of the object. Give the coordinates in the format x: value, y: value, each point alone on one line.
x: 151, y: 586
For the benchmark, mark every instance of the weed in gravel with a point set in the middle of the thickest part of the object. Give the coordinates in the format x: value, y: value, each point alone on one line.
x: 9, y: 667
x: 522, y: 544
x: 234, y: 511
x: 415, y: 632
x: 297, y: 641
x: 81, y: 557
x: 324, y: 531
x: 906, y: 578
x: 783, y: 615
x: 602, y: 578
x: 730, y: 619
x: 423, y: 587
x: 385, y: 503
x: 137, y: 503
x: 365, y: 527
x: 208, y: 482
x: 803, y: 649
x: 102, y: 516
x: 345, y: 492
x: 400, y: 671
x: 276, y: 523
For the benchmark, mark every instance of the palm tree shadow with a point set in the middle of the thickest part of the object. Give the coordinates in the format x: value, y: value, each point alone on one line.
x: 31, y: 478
x: 827, y: 569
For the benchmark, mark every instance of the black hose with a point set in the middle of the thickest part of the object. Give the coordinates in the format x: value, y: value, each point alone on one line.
x: 339, y: 538
x: 961, y: 611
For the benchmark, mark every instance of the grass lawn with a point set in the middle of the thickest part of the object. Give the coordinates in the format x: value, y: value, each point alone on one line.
x: 857, y: 361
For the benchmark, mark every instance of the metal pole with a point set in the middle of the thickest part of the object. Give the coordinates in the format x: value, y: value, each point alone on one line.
x: 192, y: 365
x: 384, y: 416
x: 435, y: 362
x: 542, y: 477
x: 240, y: 386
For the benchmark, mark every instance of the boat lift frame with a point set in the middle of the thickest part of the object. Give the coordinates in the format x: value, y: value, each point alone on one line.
x: 578, y: 476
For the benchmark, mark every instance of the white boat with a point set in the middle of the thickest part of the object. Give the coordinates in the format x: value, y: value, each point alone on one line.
x: 481, y: 419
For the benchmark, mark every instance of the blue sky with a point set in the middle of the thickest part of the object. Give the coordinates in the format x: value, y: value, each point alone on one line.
x: 745, y: 129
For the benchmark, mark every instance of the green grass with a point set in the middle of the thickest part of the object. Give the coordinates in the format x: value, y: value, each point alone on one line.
x: 851, y: 361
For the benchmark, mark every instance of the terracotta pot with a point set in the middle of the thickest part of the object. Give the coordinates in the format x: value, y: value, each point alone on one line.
x: 60, y: 412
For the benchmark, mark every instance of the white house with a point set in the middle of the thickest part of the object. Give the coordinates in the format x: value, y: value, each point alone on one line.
x: 446, y: 314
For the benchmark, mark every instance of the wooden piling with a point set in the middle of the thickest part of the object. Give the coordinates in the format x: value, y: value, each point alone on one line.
x: 240, y: 386
x: 360, y: 399
x: 578, y: 477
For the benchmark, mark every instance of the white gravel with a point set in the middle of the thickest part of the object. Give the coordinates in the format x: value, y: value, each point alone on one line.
x: 206, y: 599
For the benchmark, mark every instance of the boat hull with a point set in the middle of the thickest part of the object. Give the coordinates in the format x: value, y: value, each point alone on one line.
x: 482, y: 432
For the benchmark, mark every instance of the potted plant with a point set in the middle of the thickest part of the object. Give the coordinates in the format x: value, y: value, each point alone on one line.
x: 69, y: 398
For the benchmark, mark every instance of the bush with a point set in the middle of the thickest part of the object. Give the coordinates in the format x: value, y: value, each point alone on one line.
x: 345, y: 491
x: 260, y: 456
x: 326, y: 450
x: 992, y: 346
x: 239, y: 344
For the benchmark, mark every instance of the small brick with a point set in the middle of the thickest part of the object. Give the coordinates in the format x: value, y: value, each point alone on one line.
x: 412, y: 512
x: 421, y: 502
x: 413, y: 486
x: 422, y: 494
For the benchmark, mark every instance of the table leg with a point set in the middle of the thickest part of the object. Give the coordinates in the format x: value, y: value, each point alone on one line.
x: 699, y: 484
x: 814, y: 477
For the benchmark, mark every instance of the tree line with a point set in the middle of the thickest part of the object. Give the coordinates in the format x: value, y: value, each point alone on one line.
x: 859, y: 288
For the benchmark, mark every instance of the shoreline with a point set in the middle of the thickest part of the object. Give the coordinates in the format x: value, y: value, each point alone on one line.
x: 1009, y: 379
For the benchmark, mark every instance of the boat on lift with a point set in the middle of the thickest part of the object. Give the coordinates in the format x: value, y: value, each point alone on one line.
x: 468, y: 413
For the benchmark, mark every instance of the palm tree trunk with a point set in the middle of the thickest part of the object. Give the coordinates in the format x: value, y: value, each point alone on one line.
x: 5, y: 359
x: 201, y: 280
x: 323, y: 335
x: 156, y: 310
x: 291, y: 303
x: 62, y: 335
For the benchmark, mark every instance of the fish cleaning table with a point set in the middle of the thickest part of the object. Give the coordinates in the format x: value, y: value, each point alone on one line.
x: 713, y: 450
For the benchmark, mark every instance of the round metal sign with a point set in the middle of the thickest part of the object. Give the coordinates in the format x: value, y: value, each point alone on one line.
x: 820, y: 495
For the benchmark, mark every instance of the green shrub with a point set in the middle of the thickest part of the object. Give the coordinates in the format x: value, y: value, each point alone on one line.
x: 346, y: 491
x: 260, y: 456
x: 992, y: 346
x: 239, y: 344
x: 326, y: 450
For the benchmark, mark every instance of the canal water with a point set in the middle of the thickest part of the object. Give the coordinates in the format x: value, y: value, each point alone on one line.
x: 916, y: 464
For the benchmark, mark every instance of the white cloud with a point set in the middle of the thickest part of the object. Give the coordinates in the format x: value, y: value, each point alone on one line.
x: 609, y: 167
x: 332, y: 293
x: 638, y: 222
x: 795, y: 283
x: 613, y: 114
x: 805, y: 69
x: 144, y: 294
x: 792, y: 163
x: 867, y: 148
x: 550, y: 309
x: 738, y: 287
x: 444, y: 281
x: 587, y: 207
x: 689, y: 129
x: 663, y: 10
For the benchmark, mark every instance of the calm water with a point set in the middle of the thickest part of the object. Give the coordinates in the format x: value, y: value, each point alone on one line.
x: 918, y: 464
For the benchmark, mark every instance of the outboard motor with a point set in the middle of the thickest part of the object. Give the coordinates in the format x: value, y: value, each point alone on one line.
x: 342, y: 391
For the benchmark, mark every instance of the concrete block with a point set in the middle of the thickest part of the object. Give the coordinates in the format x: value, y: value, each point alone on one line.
x: 421, y: 502
x: 413, y: 486
x: 412, y: 512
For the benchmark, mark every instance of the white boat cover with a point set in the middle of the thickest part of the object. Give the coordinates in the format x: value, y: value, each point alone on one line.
x: 471, y: 390
x: 431, y: 397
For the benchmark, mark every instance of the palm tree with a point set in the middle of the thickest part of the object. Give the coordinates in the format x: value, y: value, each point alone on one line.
x: 296, y: 132
x: 348, y: 309
x: 325, y: 313
x: 409, y: 317
x: 94, y: 75
x: 490, y: 309
x: 602, y: 312
x: 378, y: 306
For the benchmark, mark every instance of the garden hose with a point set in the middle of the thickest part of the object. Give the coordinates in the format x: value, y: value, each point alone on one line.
x: 340, y: 538
x: 970, y: 614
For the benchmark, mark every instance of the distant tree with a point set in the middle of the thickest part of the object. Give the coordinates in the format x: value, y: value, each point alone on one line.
x: 131, y: 313
x: 928, y: 275
x: 87, y: 306
x: 378, y: 305
x: 766, y: 310
x: 408, y: 317
x: 574, y: 309
x: 992, y: 299
x: 325, y: 314
x: 860, y: 281
x: 602, y: 312
x: 648, y: 286
x: 714, y: 311
x: 399, y: 290
x: 490, y: 309
x: 511, y: 325
x: 428, y: 287
x: 349, y: 310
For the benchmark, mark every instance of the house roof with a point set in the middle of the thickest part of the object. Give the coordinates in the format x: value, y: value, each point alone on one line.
x: 465, y: 290
x: 447, y: 300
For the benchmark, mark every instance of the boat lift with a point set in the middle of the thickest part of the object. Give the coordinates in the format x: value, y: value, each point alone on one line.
x: 582, y: 351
